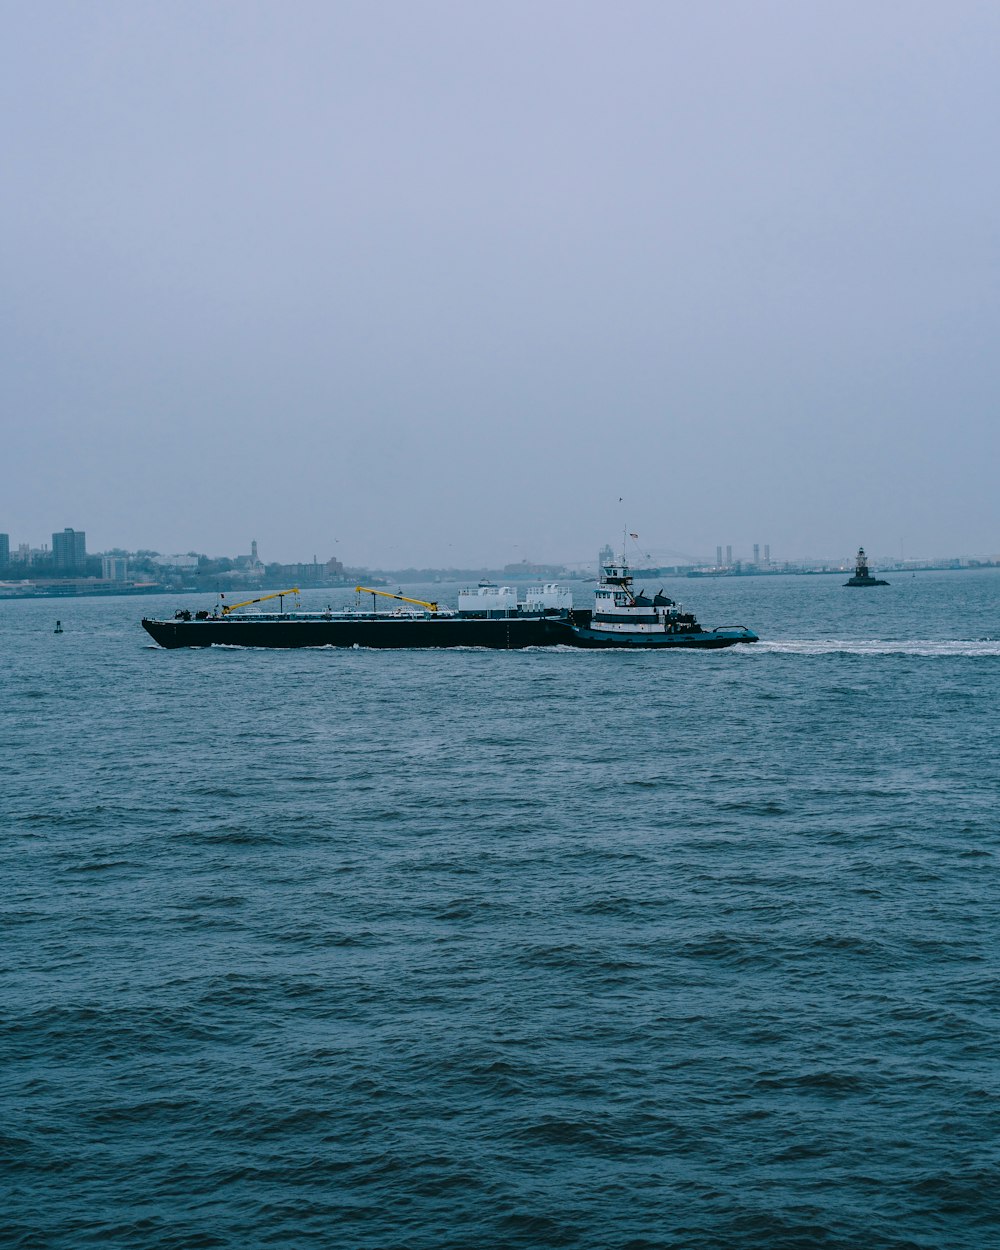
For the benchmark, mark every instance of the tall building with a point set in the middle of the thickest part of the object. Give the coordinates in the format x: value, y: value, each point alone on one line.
x: 718, y: 556
x: 251, y: 563
x: 729, y: 556
x: 756, y: 553
x: 4, y: 549
x: 69, y: 550
x: 767, y: 553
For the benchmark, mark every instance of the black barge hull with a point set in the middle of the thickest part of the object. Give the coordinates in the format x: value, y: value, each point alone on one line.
x: 389, y: 632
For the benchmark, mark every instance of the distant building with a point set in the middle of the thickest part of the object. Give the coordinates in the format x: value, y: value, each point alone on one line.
x: 69, y: 550
x: 756, y: 553
x: 4, y: 549
x: 767, y: 553
x: 606, y: 556
x: 729, y: 556
x: 718, y: 556
x: 252, y: 563
x: 524, y: 569
x: 175, y: 562
x: 114, y: 568
x: 314, y: 574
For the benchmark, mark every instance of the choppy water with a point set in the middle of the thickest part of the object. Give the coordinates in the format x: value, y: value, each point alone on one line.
x: 552, y: 948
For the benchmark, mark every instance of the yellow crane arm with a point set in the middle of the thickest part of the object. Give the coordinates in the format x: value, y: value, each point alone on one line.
x: 421, y: 603
x: 231, y: 607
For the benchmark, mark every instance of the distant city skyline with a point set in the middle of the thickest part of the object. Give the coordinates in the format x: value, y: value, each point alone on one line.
x: 69, y: 551
x: 743, y: 550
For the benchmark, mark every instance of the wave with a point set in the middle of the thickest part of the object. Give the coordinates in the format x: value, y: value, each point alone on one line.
x: 944, y: 647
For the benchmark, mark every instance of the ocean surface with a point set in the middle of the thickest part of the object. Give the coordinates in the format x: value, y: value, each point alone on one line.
x: 506, y: 949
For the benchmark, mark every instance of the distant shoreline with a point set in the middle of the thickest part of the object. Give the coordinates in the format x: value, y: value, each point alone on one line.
x: 138, y: 591
x: 144, y: 591
x: 844, y: 572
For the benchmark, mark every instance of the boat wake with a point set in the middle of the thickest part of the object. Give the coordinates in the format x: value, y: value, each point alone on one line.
x: 942, y: 647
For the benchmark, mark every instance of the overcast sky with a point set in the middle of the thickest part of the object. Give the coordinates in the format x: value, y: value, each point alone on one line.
x: 439, y: 282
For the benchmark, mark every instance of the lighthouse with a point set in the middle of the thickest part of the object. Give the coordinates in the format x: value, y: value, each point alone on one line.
x: 862, y: 577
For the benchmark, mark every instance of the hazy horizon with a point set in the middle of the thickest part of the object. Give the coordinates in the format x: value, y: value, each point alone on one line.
x: 439, y: 284
x: 636, y: 554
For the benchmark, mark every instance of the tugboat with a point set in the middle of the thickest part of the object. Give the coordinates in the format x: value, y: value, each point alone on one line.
x: 862, y: 577
x: 489, y: 616
x: 622, y: 618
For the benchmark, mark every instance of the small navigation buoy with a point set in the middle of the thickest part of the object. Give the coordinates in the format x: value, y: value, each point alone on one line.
x: 58, y: 629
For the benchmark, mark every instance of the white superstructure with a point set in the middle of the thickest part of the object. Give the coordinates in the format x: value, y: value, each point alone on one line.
x: 618, y: 609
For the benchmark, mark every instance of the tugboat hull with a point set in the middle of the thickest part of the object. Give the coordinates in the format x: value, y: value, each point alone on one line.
x: 703, y: 640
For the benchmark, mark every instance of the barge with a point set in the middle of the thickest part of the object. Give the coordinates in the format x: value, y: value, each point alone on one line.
x: 489, y: 616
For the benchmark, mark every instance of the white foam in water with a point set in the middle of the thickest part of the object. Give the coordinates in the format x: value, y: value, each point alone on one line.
x: 946, y: 647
